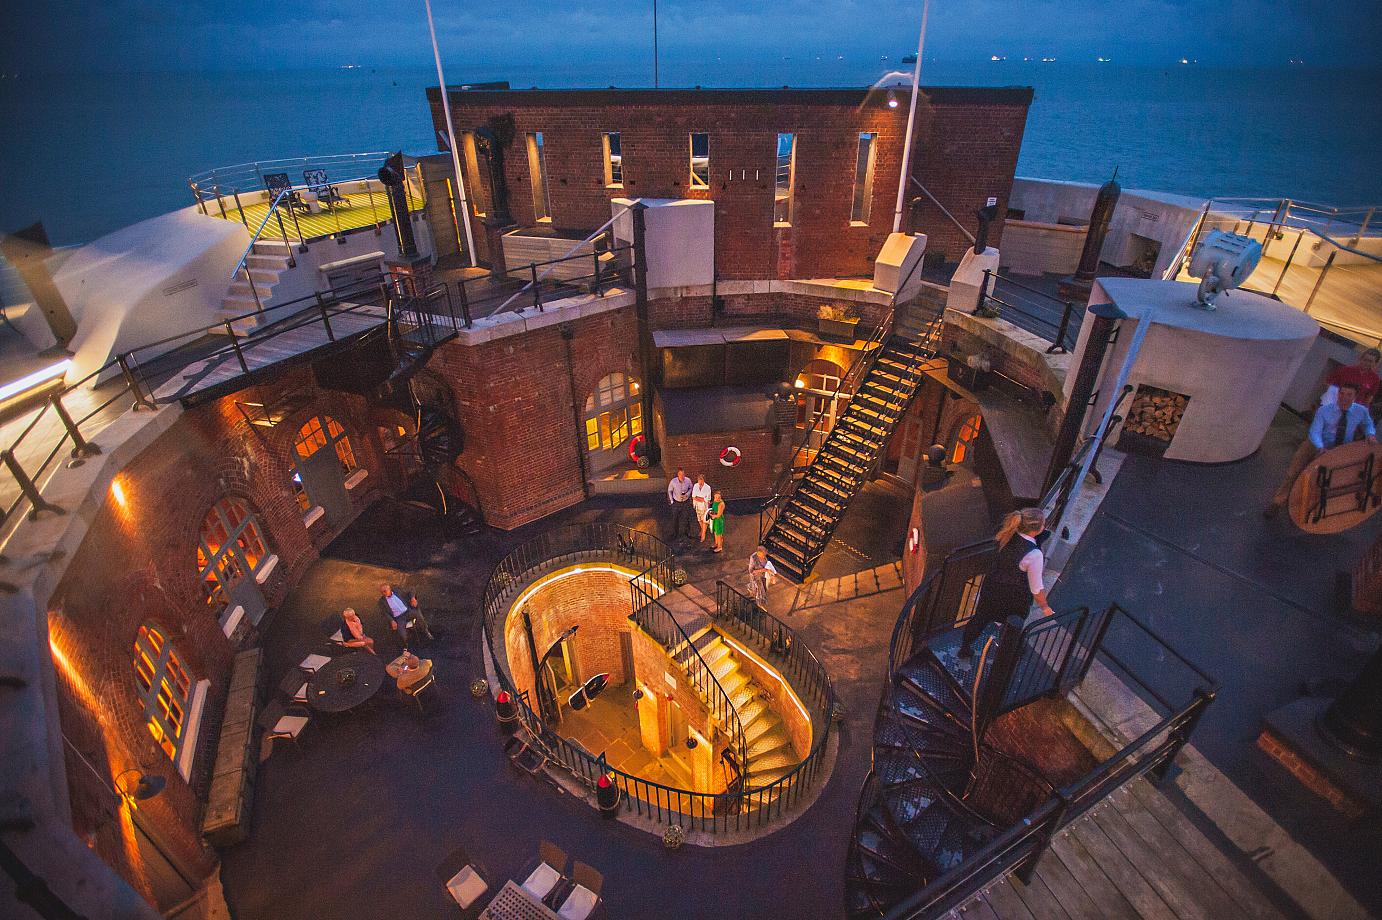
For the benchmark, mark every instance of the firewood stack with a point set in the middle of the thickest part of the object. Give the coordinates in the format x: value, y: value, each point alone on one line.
x: 1155, y: 412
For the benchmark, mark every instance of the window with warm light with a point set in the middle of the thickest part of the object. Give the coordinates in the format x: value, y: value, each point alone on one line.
x: 965, y: 436
x: 163, y: 687
x: 613, y: 413
x: 230, y: 548
x: 700, y: 161
x: 614, y: 160
x: 537, y: 176
x: 316, y: 433
x: 471, y: 164
x: 863, y: 179
x: 783, y: 179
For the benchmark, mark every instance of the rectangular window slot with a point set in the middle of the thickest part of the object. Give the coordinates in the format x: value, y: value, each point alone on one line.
x: 311, y: 517
x: 700, y: 161
x: 863, y: 179
x: 471, y: 164
x: 783, y: 179
x: 537, y: 175
x: 266, y: 569
x: 355, y: 478
x: 614, y: 160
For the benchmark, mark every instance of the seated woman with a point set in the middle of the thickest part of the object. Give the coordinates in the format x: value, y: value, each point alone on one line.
x: 353, y: 631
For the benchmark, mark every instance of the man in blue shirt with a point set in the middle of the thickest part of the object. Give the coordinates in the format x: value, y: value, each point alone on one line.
x: 1340, y: 422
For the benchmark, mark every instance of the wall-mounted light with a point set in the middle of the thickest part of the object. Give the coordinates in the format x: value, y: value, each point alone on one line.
x: 801, y: 384
x: 892, y: 99
x: 117, y: 491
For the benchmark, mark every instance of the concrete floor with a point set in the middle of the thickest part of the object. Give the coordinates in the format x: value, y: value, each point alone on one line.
x: 353, y: 826
x: 1253, y: 602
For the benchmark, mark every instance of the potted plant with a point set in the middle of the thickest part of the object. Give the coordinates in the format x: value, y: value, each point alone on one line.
x: 837, y: 320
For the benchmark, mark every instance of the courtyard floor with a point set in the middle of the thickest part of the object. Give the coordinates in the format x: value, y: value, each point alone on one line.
x: 352, y: 827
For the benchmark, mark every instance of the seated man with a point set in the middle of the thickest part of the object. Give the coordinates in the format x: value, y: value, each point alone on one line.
x: 1339, y: 422
x: 353, y: 632
x: 402, y: 610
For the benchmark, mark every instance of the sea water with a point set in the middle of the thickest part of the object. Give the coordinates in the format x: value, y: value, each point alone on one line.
x: 86, y: 154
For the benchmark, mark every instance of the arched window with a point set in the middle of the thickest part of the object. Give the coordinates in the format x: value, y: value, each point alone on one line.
x: 965, y: 434
x: 163, y: 687
x: 231, y: 548
x: 613, y: 413
x: 316, y: 433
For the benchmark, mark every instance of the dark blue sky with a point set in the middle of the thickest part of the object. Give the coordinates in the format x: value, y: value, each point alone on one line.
x: 145, y: 35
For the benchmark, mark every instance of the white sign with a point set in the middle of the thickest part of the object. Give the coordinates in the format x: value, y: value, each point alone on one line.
x: 992, y: 202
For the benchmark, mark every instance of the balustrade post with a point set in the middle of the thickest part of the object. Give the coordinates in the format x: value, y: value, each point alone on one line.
x: 326, y: 323
x: 26, y: 486
x: 140, y: 401
x: 235, y: 344
x: 1180, y: 736
x: 537, y: 290
x: 980, y: 306
x: 1047, y: 833
x: 81, y: 449
x: 1328, y: 263
x: 1058, y: 347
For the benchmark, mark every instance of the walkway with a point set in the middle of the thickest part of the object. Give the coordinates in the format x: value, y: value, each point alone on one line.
x: 1253, y: 602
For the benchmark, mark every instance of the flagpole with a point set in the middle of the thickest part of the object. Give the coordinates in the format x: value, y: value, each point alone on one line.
x: 911, y: 121
x: 451, y: 137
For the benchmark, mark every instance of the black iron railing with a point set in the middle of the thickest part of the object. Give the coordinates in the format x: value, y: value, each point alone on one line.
x: 1055, y: 320
x: 741, y: 616
x: 539, y: 284
x: 735, y: 809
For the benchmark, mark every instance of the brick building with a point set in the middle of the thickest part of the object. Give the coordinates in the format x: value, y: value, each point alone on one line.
x: 569, y: 152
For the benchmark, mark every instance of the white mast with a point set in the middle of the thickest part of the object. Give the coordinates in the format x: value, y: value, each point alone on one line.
x: 911, y: 121
x: 451, y: 137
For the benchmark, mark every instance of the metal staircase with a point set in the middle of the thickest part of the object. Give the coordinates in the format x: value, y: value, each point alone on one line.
x: 807, y: 516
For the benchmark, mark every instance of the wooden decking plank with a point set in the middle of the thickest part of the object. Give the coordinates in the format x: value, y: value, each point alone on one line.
x: 1038, y: 898
x: 1006, y: 903
x: 1092, y: 878
x: 1068, y: 890
x: 979, y: 909
x: 1162, y: 862
x: 1180, y: 877
x: 1121, y: 869
x: 1230, y: 877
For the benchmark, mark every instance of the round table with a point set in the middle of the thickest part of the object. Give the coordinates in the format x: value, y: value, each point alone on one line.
x: 345, y: 682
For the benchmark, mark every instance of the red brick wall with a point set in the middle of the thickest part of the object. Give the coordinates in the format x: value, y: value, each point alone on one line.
x: 759, y: 467
x: 138, y: 563
x: 962, y: 131
x: 966, y: 152
x: 515, y: 401
x: 800, y: 310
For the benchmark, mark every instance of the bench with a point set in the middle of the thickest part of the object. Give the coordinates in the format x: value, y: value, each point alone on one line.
x: 227, y: 816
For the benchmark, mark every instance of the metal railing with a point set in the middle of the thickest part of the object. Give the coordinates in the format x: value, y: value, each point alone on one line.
x: 742, y: 616
x: 231, y: 191
x: 657, y: 621
x: 134, y: 375
x: 1325, y: 261
x: 1031, y: 309
x: 484, y: 296
x: 735, y: 809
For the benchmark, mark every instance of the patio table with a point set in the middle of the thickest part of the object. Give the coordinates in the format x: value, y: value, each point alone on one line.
x: 345, y: 682
x: 513, y: 903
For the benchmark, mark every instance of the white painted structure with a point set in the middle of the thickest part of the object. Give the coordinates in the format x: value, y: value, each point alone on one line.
x: 969, y: 278
x: 679, y: 235
x: 897, y: 269
x: 1235, y: 363
x: 145, y: 282
x: 1140, y: 218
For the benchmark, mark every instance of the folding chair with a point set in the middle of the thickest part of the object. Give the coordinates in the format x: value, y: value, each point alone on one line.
x: 463, y: 879
x: 328, y: 196
x: 415, y: 691
x: 550, y: 869
x: 284, y: 723
x: 294, y: 687
x: 279, y: 184
x: 584, y: 896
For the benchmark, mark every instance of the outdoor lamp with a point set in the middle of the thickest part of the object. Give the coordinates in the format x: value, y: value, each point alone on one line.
x: 892, y: 99
x: 134, y: 786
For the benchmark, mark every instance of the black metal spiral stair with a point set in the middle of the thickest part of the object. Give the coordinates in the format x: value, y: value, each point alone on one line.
x: 916, y: 818
x: 808, y: 518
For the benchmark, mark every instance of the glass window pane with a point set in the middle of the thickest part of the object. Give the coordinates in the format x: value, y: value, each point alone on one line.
x: 782, y: 184
x: 700, y: 161
x: 592, y: 434
x: 614, y: 160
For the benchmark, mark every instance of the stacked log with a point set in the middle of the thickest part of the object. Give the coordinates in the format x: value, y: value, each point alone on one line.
x: 1155, y: 413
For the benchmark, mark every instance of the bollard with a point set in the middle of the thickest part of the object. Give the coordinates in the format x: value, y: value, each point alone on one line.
x: 506, y: 712
x: 607, y: 796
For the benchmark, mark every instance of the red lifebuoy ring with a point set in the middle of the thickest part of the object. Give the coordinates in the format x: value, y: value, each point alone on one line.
x: 730, y: 456
x: 635, y: 442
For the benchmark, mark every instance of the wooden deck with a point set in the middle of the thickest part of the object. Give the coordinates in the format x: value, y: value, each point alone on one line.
x: 1134, y: 856
x: 222, y: 373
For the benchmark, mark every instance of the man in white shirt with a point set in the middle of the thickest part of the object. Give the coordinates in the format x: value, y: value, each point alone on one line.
x: 679, y: 497
x: 1340, y: 422
x: 701, y: 494
x: 402, y: 609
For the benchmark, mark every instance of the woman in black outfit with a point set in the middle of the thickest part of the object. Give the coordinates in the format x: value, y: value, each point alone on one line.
x: 1016, y: 577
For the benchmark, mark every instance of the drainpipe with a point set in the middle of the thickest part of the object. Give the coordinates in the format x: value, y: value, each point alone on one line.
x: 451, y: 137
x: 645, y: 334
x: 568, y: 332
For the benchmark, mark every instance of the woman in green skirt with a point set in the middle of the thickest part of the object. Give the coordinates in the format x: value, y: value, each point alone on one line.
x: 717, y: 520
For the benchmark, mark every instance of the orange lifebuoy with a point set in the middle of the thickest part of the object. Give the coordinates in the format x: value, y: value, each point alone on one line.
x: 730, y: 456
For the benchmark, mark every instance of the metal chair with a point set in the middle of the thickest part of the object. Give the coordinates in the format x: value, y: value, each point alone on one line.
x: 415, y: 691
x: 580, y: 902
x: 464, y: 881
x: 284, y: 723
x: 279, y: 184
x: 547, y: 872
x: 294, y: 687
x: 328, y: 196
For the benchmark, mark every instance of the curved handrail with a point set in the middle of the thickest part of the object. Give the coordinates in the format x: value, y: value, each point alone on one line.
x: 801, y: 667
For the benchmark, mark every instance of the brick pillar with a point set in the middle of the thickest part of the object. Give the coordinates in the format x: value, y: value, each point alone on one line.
x: 410, y: 277
x: 494, y: 245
